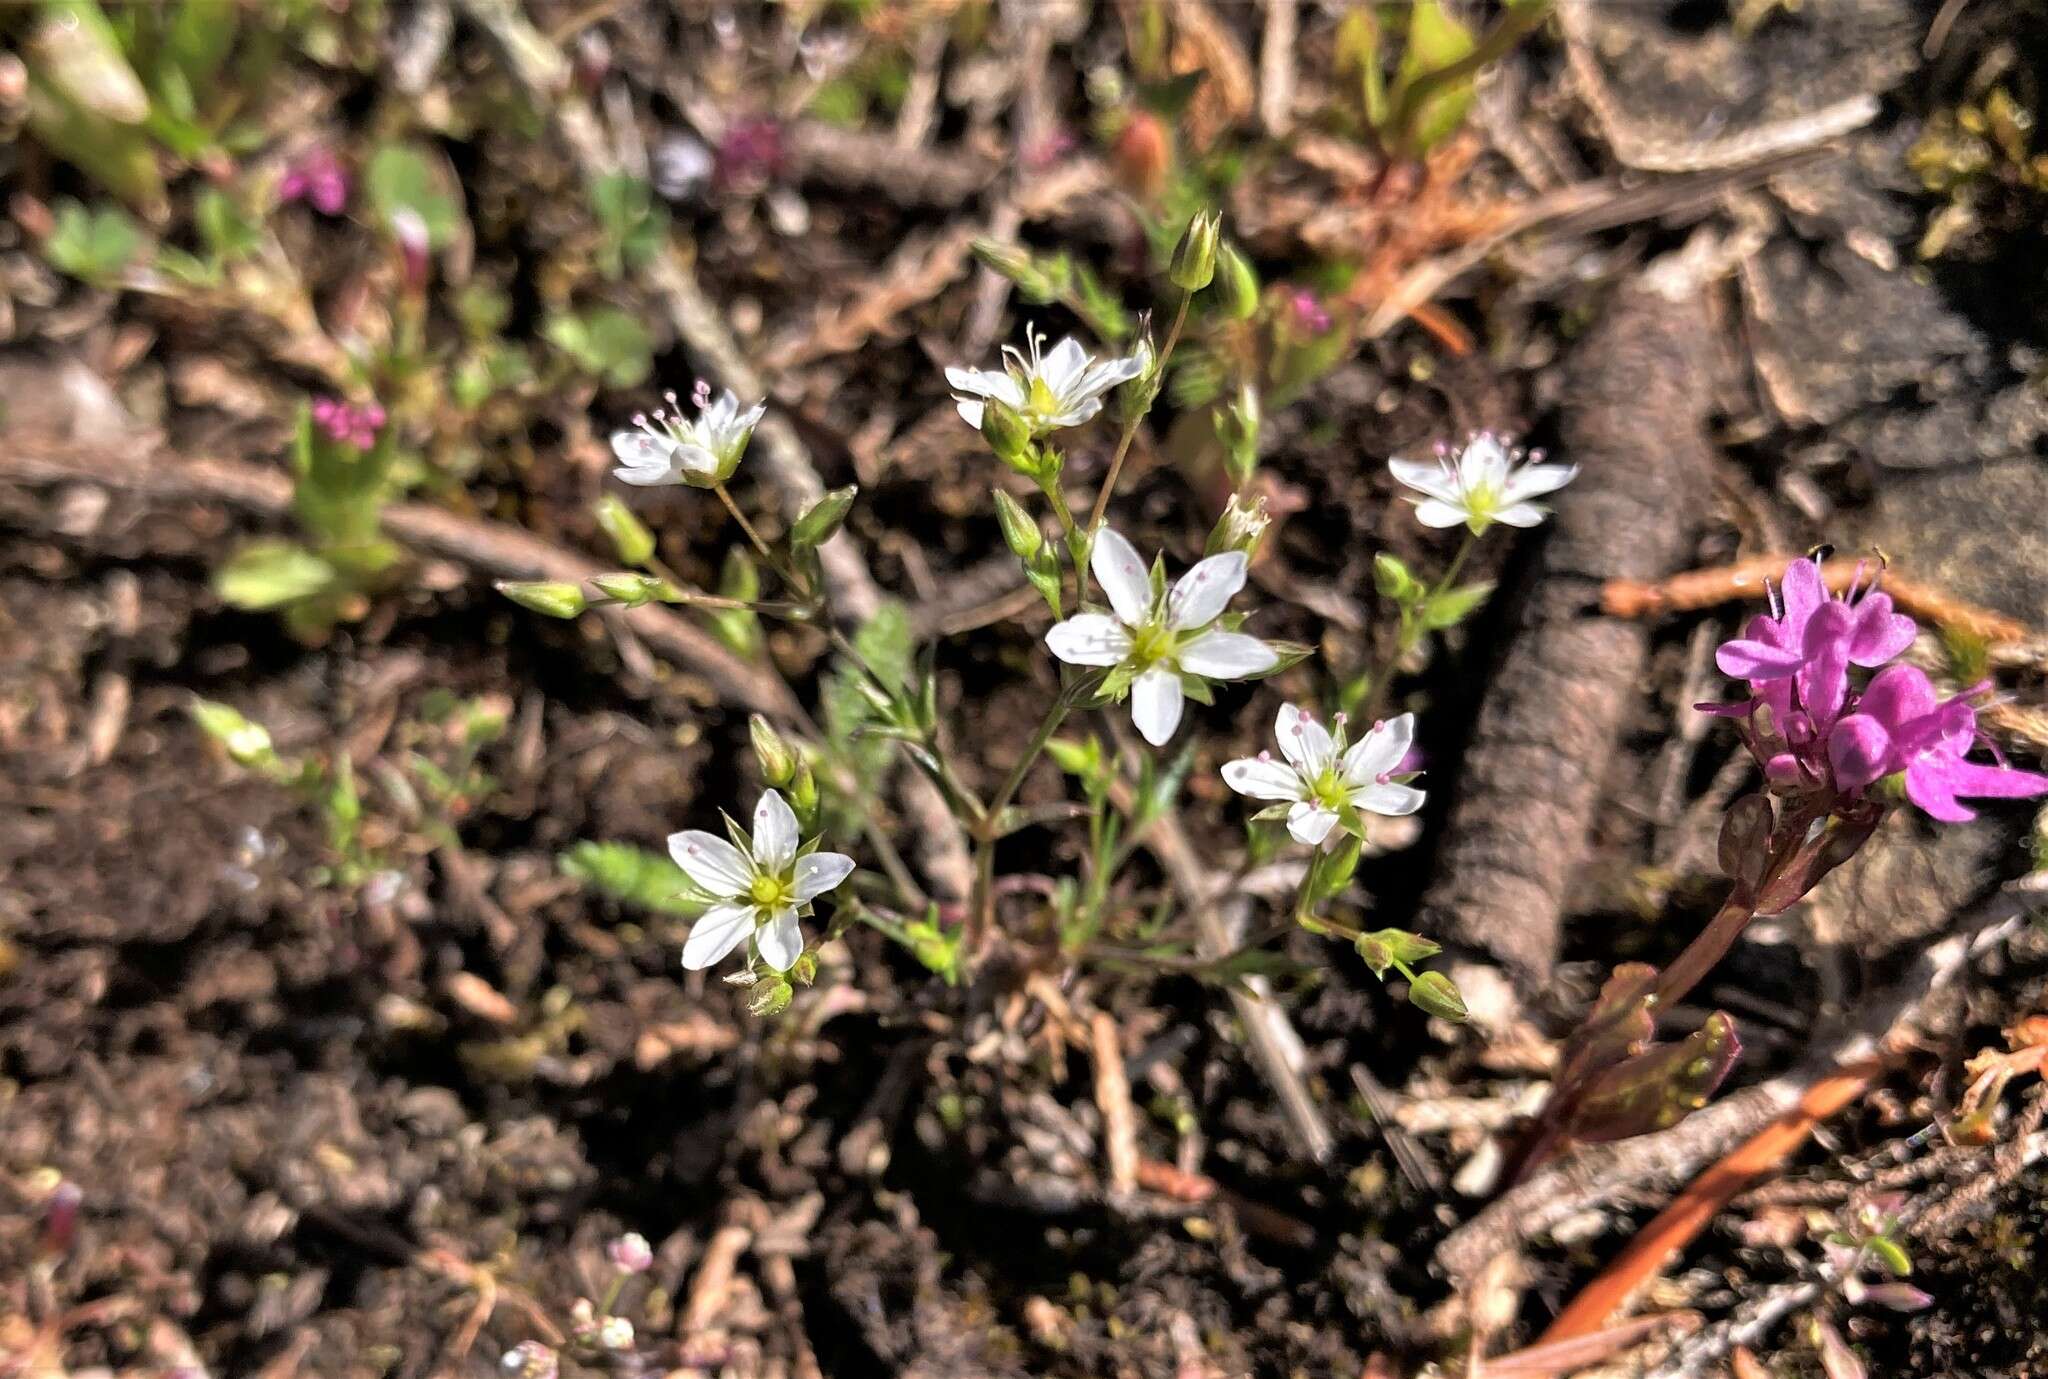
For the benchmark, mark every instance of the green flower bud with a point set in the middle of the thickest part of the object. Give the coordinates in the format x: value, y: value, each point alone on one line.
x: 1241, y: 527
x: 771, y: 997
x: 1009, y: 435
x: 1020, y: 532
x: 1237, y: 284
x: 777, y: 758
x: 550, y: 598
x: 1436, y: 994
x: 1194, y: 258
x: 634, y: 589
x: 630, y: 536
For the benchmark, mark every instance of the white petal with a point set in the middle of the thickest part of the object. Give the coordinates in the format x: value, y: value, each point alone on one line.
x: 1109, y: 374
x: 1073, y: 415
x: 712, y: 863
x: 1535, y: 480
x: 1522, y: 515
x: 820, y: 872
x: 1380, y: 750
x: 1303, y: 740
x: 1426, y: 476
x: 1089, y: 639
x: 970, y: 412
x: 694, y: 459
x: 780, y: 941
x: 1155, y: 705
x: 1484, y: 464
x: 1063, y: 368
x: 1262, y: 780
x: 1227, y: 656
x: 715, y: 934
x: 1432, y: 513
x: 722, y: 410
x: 745, y: 424
x: 775, y: 834
x: 1122, y: 576
x: 980, y: 382
x: 640, y: 450
x: 1388, y: 799
x: 1200, y: 595
x: 1310, y: 823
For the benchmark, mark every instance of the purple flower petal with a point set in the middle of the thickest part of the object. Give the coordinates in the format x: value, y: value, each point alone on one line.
x: 1748, y: 659
x: 1878, y: 633
x: 1859, y: 749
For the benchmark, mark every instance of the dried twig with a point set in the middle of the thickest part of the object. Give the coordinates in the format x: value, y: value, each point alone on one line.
x: 495, y: 549
x: 1694, y: 590
x: 1113, y: 1098
x: 1603, y: 1173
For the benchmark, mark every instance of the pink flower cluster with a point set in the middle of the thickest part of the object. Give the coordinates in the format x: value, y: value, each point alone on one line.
x: 347, y: 424
x: 1816, y: 734
x: 317, y: 178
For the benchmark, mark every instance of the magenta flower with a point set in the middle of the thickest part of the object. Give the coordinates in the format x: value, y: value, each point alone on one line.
x: 1308, y: 311
x: 1899, y: 727
x: 1815, y: 734
x: 347, y: 424
x: 317, y: 178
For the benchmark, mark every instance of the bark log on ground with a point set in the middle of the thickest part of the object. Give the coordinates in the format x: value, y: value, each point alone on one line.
x: 1539, y: 760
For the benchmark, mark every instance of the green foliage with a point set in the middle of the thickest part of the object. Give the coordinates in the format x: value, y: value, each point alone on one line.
x: 634, y: 876
x: 1058, y: 277
x: 340, y: 557
x: 1435, y: 77
x: 604, y: 342
x: 404, y: 176
x: 94, y: 245
x: 633, y: 224
x: 1435, y: 41
x: 738, y: 628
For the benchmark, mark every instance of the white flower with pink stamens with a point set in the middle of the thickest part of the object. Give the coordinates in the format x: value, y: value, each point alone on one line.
x: 1322, y: 782
x: 760, y: 890
x: 669, y: 448
x: 1157, y: 641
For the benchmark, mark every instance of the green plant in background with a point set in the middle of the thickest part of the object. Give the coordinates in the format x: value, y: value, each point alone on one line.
x: 342, y: 476
x: 631, y: 224
x: 94, y: 244
x: 422, y: 792
x: 1430, y: 90
x: 115, y: 92
x: 1980, y: 156
x: 603, y: 342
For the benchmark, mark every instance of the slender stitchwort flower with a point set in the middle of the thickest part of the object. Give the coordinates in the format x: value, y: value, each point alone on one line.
x: 1050, y: 391
x: 669, y: 448
x: 761, y: 889
x: 1483, y: 482
x: 1323, y: 782
x: 1163, y: 645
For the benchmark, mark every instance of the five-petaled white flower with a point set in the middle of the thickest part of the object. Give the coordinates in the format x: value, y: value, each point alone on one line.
x: 1049, y: 391
x: 760, y: 891
x: 1484, y: 482
x: 669, y: 448
x: 1323, y: 781
x: 1160, y: 643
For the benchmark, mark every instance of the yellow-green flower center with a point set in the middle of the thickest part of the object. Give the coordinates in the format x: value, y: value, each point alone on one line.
x: 1151, y: 643
x: 1329, y: 790
x: 770, y: 892
x: 1039, y: 399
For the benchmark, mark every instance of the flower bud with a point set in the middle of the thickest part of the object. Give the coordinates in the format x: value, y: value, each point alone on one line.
x: 778, y: 760
x: 1435, y: 994
x: 550, y: 598
x: 1194, y: 258
x: 1241, y: 527
x: 1008, y: 434
x: 1020, y: 533
x: 1237, y: 283
x: 633, y: 589
x: 1237, y: 426
x: 630, y: 1253
x: 772, y: 997
x: 60, y: 1220
x: 1018, y: 266
x: 530, y: 1360
x: 415, y: 247
x: 630, y: 536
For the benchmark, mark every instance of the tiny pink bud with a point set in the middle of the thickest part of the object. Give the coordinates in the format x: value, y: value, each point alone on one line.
x: 60, y: 1220
x: 630, y: 1253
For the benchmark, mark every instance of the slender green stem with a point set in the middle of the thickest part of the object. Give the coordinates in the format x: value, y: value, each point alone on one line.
x: 774, y: 562
x: 1130, y: 433
x: 1411, y: 635
x: 981, y: 906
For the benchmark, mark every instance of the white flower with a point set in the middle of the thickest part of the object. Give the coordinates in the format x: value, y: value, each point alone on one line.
x: 1157, y: 643
x: 1049, y: 391
x: 760, y: 892
x: 615, y: 1334
x: 1322, y: 779
x: 1484, y: 483
x: 668, y: 448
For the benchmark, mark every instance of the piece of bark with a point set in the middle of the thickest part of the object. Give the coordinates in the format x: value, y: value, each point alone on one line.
x: 1540, y: 757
